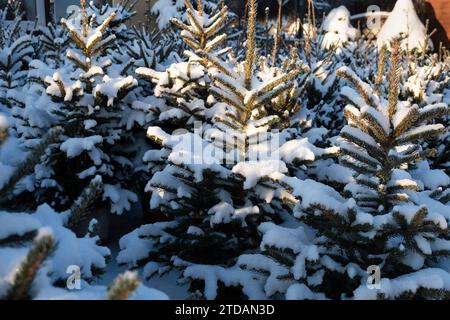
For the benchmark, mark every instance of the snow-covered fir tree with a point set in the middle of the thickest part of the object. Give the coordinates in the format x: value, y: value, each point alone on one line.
x: 217, y: 181
x: 16, y: 51
x: 426, y: 81
x: 259, y: 157
x: 182, y: 88
x: 27, y: 240
x: 54, y: 42
x: 91, y: 93
x: 35, y: 262
x: 390, y: 222
x: 320, y: 94
x: 34, y: 256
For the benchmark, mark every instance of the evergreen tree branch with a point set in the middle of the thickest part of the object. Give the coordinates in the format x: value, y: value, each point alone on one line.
x: 123, y: 286
x: 23, y: 279
x: 27, y: 166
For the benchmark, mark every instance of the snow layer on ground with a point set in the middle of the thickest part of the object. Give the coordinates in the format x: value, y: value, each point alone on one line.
x: 70, y: 251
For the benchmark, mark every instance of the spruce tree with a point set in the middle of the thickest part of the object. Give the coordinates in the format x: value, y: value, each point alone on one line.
x: 214, y: 197
x: 29, y: 239
x: 426, y: 78
x: 389, y: 226
x: 92, y: 98
x: 183, y: 87
x: 42, y: 248
x: 202, y: 32
x: 16, y: 51
x: 54, y: 42
x: 123, y: 13
x: 320, y: 93
x: 27, y: 166
x: 165, y: 11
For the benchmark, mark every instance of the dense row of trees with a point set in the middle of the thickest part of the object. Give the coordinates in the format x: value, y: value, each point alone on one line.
x: 287, y: 174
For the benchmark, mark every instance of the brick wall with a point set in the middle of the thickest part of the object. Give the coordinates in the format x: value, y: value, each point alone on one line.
x: 438, y: 11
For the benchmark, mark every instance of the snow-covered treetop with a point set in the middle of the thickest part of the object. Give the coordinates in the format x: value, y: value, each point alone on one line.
x: 337, y: 28
x: 87, y: 36
x: 404, y: 21
x: 88, y: 33
x: 203, y: 30
x: 237, y: 85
